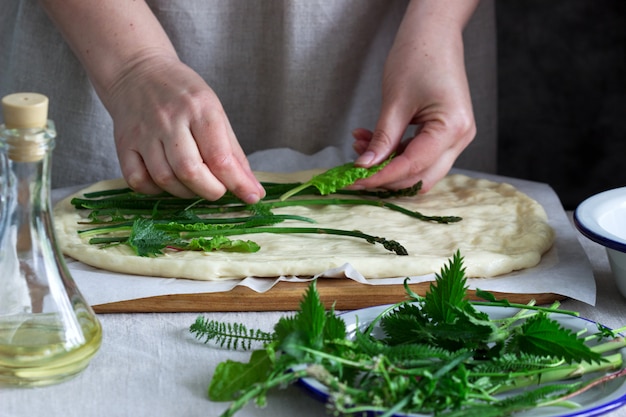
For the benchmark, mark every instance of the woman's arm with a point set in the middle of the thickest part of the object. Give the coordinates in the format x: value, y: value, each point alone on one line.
x: 170, y: 128
x: 109, y: 37
x: 424, y: 84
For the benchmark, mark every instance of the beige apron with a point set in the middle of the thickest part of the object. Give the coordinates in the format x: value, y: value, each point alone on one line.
x: 296, y: 74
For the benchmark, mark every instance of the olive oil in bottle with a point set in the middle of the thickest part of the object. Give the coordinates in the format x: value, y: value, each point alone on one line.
x: 48, y: 332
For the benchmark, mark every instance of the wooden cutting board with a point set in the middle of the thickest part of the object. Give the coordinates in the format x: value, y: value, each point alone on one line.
x: 344, y: 294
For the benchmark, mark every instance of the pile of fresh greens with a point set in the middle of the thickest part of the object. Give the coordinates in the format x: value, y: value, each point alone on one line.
x: 438, y: 354
x: 151, y: 223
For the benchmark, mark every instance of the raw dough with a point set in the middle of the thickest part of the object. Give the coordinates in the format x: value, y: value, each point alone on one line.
x: 502, y: 230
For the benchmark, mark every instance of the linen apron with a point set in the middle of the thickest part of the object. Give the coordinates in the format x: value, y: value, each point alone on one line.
x: 294, y: 74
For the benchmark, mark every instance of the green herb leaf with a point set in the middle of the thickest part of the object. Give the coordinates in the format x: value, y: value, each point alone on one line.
x: 228, y: 335
x: 407, y: 324
x: 231, y: 377
x: 447, y: 294
x: 541, y: 335
x: 336, y: 178
x: 146, y: 239
x: 222, y: 243
x: 308, y: 324
x: 452, y: 362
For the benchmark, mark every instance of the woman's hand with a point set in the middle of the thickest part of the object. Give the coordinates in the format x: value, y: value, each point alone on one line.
x: 425, y: 85
x: 172, y: 134
x: 170, y: 128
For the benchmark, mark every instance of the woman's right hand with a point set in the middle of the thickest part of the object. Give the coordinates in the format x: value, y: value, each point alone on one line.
x: 172, y: 134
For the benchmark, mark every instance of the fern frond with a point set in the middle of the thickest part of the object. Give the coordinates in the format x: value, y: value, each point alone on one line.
x: 229, y: 335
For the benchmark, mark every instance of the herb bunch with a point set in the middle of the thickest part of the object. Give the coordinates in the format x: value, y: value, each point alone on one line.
x: 150, y: 224
x: 437, y: 354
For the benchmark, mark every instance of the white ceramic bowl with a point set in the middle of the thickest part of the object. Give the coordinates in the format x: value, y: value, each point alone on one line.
x: 602, y: 218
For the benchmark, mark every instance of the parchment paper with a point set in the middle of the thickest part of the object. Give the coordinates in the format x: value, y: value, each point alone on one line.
x: 564, y: 270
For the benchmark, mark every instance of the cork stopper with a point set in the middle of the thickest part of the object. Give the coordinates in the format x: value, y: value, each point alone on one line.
x: 26, y: 111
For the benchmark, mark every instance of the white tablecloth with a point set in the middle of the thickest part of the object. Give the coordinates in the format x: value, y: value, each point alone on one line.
x: 149, y: 365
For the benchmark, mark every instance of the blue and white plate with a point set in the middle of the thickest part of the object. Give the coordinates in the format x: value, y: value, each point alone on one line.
x: 596, y: 401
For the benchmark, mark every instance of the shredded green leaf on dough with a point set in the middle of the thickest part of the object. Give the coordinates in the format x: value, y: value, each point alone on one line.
x: 336, y: 178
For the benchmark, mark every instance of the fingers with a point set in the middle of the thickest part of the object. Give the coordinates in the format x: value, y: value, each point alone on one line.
x: 426, y: 157
x: 135, y: 172
x: 205, y: 163
x: 200, y: 163
x: 155, y: 168
x: 362, y: 138
x: 375, y: 148
x: 225, y: 159
x: 176, y: 137
x: 414, y: 164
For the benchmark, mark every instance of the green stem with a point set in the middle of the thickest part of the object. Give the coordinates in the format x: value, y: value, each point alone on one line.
x: 554, y: 310
x: 610, y: 345
x: 593, y: 383
x: 262, y: 220
x: 390, y: 245
x: 145, y: 206
x: 107, y: 193
x: 359, y: 202
x: 613, y: 362
x: 295, y: 191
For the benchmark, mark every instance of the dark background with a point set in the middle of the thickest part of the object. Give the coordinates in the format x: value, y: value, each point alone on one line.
x: 562, y: 94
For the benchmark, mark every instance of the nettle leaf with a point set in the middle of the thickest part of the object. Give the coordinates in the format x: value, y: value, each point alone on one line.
x: 334, y: 327
x: 541, y: 335
x: 448, y: 293
x: 284, y: 326
x: 406, y: 324
x: 310, y: 327
x: 467, y: 331
x: 231, y: 377
x: 146, y: 240
x: 259, y: 209
x: 292, y: 345
x: 312, y: 317
x: 336, y: 178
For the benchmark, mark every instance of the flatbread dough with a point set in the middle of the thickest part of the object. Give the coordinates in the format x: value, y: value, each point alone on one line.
x: 502, y: 230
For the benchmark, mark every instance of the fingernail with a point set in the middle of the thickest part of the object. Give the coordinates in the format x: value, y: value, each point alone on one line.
x: 251, y: 198
x: 366, y: 158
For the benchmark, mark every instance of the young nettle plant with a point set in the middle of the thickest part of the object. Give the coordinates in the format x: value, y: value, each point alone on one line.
x: 439, y: 354
x: 150, y: 224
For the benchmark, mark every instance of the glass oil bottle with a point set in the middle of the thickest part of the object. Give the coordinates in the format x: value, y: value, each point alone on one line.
x: 48, y: 332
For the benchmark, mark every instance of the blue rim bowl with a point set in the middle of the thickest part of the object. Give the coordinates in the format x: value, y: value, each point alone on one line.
x: 602, y: 218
